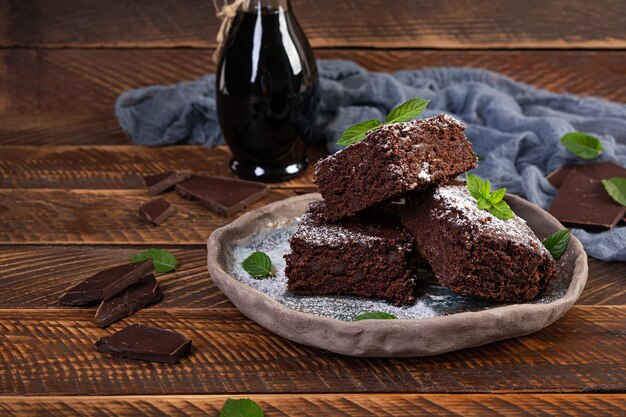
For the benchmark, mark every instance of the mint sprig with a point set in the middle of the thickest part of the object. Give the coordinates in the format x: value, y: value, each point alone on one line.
x: 258, y: 265
x: 486, y: 200
x: 402, y: 113
x: 243, y: 407
x: 370, y: 315
x: 582, y: 145
x: 557, y: 242
x: 163, y: 260
x: 357, y: 132
x: 616, y: 187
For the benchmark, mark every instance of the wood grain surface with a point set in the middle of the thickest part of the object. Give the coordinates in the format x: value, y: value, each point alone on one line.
x: 115, y: 167
x: 105, y: 217
x: 35, y: 276
x: 50, y: 352
x: 88, y: 81
x: 316, y: 405
x: 327, y: 23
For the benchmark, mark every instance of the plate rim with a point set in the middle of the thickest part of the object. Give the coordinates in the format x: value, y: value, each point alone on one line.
x: 274, y: 311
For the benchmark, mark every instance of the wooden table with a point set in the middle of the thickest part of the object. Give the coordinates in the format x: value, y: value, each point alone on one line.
x: 70, y: 184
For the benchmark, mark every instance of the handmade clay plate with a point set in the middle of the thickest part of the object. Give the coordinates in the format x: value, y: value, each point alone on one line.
x: 439, y: 322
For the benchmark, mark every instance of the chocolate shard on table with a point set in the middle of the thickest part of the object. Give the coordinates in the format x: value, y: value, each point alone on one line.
x: 473, y: 252
x: 156, y: 211
x: 363, y: 256
x: 162, y: 182
x: 146, y: 343
x: 129, y: 301
x: 391, y: 161
x: 584, y: 202
x: 224, y: 196
x: 598, y: 171
x: 105, y: 284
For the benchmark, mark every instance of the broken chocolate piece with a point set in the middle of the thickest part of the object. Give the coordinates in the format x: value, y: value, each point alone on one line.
x: 162, y: 182
x: 146, y: 343
x: 597, y: 171
x: 129, y: 301
x: 156, y: 211
x: 224, y: 196
x: 105, y: 284
x: 583, y: 201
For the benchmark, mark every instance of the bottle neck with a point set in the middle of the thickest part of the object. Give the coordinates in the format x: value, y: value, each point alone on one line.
x: 265, y: 5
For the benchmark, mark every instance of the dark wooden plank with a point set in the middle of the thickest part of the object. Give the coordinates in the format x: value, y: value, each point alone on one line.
x: 316, y: 405
x: 89, y: 81
x: 50, y: 352
x: 104, y: 217
x: 35, y: 276
x: 115, y: 167
x: 328, y: 23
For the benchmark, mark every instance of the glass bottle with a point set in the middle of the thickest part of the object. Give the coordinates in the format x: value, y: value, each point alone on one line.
x: 267, y: 92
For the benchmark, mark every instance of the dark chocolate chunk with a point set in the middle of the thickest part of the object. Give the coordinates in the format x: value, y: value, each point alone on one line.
x: 597, y: 171
x: 583, y: 201
x: 224, y: 196
x: 146, y: 343
x: 161, y: 182
x: 156, y: 211
x: 129, y: 301
x: 105, y: 284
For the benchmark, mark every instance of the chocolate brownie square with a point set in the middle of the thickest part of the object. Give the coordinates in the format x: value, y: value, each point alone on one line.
x: 473, y: 252
x: 391, y: 161
x: 364, y: 256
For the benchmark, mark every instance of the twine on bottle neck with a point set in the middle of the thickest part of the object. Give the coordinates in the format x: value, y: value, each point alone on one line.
x: 226, y: 14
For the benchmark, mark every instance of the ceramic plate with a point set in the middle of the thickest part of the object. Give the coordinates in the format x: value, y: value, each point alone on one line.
x: 440, y: 321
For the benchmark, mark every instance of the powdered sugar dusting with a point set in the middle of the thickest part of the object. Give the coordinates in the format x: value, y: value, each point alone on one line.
x: 333, y: 235
x: 460, y: 206
x: 432, y: 299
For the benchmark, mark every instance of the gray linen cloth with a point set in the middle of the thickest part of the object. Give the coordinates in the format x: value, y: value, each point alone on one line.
x: 515, y: 127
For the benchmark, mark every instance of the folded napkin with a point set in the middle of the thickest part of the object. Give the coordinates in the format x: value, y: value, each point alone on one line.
x: 515, y: 127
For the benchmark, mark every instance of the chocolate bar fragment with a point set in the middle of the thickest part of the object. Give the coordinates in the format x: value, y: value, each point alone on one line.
x: 129, y: 301
x: 156, y: 211
x: 597, y: 171
x: 105, y: 284
x: 224, y: 196
x: 162, y: 182
x: 584, y: 202
x: 145, y: 343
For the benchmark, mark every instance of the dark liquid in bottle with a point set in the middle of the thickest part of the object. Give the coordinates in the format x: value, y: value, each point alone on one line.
x: 267, y: 95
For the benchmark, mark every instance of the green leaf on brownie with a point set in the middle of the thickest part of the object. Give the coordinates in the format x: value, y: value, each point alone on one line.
x: 163, y: 260
x: 407, y: 110
x: 616, y: 187
x: 582, y: 145
x: 370, y: 315
x: 557, y: 242
x: 402, y: 113
x: 244, y: 407
x: 357, y: 132
x: 486, y: 200
x: 258, y: 265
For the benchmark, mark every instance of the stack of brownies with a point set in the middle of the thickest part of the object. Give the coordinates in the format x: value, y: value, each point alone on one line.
x: 391, y: 203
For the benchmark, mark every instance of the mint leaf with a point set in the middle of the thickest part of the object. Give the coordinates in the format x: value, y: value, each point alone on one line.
x: 258, y: 265
x: 582, y: 145
x: 557, y: 242
x: 357, y: 132
x: 483, y: 204
x: 163, y: 260
x: 497, y: 196
x: 474, y: 185
x: 369, y: 315
x: 244, y: 407
x: 407, y: 110
x: 616, y: 187
x: 501, y: 210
